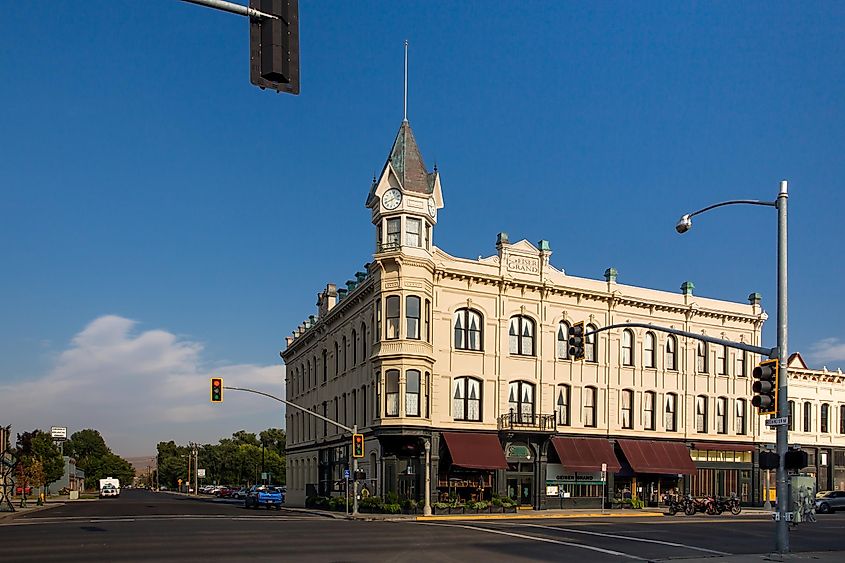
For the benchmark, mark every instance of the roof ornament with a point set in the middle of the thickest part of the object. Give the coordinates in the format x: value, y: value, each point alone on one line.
x: 405, y: 118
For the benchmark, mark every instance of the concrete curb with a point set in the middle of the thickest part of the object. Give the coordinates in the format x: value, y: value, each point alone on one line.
x: 550, y: 516
x: 23, y: 511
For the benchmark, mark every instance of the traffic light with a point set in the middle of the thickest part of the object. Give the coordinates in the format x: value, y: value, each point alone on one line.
x: 766, y: 387
x: 274, y: 46
x: 796, y: 459
x: 216, y: 389
x: 576, y: 341
x: 357, y: 445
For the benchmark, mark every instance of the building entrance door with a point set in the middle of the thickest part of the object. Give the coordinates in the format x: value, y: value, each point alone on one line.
x: 519, y: 489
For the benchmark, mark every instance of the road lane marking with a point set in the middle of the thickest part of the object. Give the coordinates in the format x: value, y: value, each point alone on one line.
x: 629, y: 538
x: 536, y: 538
x: 152, y: 518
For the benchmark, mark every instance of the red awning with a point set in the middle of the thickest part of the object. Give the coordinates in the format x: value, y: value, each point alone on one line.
x: 475, y: 450
x: 648, y: 456
x: 585, y: 454
x: 725, y: 446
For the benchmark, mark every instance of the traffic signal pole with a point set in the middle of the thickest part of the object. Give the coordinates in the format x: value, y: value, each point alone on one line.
x: 783, y: 407
x: 353, y: 431
x: 232, y: 8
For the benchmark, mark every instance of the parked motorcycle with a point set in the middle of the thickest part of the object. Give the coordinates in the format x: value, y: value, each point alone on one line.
x: 732, y: 503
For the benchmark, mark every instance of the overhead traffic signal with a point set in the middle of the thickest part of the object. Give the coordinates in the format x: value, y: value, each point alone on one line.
x: 274, y: 46
x: 357, y: 445
x: 216, y: 389
x: 766, y: 387
x: 577, y: 348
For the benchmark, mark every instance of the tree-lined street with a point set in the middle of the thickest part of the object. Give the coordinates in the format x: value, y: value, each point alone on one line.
x: 165, y: 527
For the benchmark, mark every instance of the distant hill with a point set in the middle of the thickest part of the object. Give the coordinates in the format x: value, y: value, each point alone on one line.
x: 142, y: 463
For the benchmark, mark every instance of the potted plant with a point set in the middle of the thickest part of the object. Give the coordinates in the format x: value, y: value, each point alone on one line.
x: 496, y: 504
x: 441, y: 507
x: 508, y: 505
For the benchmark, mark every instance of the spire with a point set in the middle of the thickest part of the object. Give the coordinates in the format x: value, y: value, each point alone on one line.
x: 408, y: 163
x: 405, y: 106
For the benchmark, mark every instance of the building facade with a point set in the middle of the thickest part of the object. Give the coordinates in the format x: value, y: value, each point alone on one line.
x: 468, y: 359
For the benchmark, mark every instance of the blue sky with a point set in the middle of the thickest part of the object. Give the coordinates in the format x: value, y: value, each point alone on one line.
x: 150, y: 193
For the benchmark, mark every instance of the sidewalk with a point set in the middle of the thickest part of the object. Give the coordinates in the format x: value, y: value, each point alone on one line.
x: 833, y: 556
x: 53, y: 501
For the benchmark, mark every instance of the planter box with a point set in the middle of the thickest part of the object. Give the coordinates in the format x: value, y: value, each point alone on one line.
x: 456, y: 510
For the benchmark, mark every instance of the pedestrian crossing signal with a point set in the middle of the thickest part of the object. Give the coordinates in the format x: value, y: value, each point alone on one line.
x: 216, y: 389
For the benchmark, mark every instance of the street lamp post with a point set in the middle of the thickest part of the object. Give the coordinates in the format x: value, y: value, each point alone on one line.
x: 782, y: 440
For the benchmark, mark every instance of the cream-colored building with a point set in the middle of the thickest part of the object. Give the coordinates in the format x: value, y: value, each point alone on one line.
x: 469, y: 357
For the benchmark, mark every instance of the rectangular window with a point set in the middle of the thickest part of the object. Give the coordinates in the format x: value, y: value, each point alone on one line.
x: 648, y: 410
x: 740, y: 364
x: 562, y: 407
x: 391, y: 406
x: 824, y: 419
x: 393, y: 232
x: 392, y: 317
x: 466, y: 399
x: 413, y: 232
x: 426, y: 393
x: 722, y: 415
x: 427, y: 320
x: 722, y: 360
x: 701, y: 414
x: 590, y: 406
x: 740, y: 417
x: 808, y: 417
x: 377, y: 331
x: 627, y: 406
x: 427, y: 236
x: 412, y: 316
x: 842, y: 420
x: 412, y: 393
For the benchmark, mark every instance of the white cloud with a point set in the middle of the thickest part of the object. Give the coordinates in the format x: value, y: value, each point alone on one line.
x: 827, y: 350
x: 141, y: 388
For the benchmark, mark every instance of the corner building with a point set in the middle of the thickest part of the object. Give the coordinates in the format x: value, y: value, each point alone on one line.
x: 468, y: 359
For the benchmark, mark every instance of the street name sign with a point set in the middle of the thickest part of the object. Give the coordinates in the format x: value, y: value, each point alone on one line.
x: 783, y: 421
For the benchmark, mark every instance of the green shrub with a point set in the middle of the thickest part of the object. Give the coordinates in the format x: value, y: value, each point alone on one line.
x: 637, y: 503
x: 441, y: 505
x: 479, y: 505
x: 338, y: 503
x: 410, y: 504
x: 392, y: 508
x: 318, y: 502
x: 373, y: 504
x: 391, y: 498
x: 496, y: 501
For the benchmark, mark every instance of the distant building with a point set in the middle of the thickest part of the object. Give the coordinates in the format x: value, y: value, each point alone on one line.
x: 470, y: 358
x: 73, y: 479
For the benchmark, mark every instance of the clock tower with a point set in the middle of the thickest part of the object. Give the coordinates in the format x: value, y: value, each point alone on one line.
x: 404, y: 200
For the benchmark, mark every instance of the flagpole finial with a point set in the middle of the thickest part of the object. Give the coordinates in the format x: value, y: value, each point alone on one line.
x: 405, y: 109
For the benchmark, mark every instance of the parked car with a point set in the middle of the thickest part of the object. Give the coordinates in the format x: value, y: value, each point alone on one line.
x: 830, y: 501
x: 240, y: 493
x: 224, y: 492
x: 261, y: 495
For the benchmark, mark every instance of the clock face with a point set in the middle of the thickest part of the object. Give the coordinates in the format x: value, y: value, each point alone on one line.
x: 432, y: 209
x: 391, y: 198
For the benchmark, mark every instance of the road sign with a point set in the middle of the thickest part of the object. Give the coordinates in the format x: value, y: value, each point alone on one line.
x: 770, y: 422
x: 346, y: 474
x: 603, y: 467
x: 58, y: 432
x: 201, y: 473
x: 603, y: 476
x: 788, y: 516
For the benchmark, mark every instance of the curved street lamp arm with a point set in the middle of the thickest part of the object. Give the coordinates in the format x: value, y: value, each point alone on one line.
x: 768, y: 352
x: 294, y: 405
x: 734, y: 202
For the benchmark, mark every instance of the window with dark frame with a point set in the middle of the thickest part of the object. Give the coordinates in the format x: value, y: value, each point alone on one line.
x: 412, y: 392
x: 391, y: 383
x: 722, y: 415
x: 590, y: 400
x: 521, y: 401
x: 468, y: 326
x: 701, y: 357
x: 824, y: 418
x: 671, y: 353
x: 591, y: 345
x: 412, y: 317
x: 649, y: 355
x: 521, y: 336
x: 563, y: 340
x: 741, y: 407
x: 670, y: 414
x: 808, y: 417
x: 649, y: 400
x: 564, y: 393
x: 466, y: 398
x: 627, y: 408
x: 701, y: 414
x: 392, y: 315
x: 627, y: 347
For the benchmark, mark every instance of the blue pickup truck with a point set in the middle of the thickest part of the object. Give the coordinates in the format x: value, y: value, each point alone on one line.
x: 262, y: 495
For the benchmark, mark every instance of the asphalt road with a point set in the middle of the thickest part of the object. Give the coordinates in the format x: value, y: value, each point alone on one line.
x: 145, y: 526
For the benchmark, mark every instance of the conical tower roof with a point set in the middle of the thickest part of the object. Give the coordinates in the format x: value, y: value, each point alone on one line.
x: 407, y: 162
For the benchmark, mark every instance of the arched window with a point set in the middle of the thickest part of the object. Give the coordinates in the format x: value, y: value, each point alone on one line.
x: 468, y: 323
x: 701, y: 414
x: 354, y: 348
x: 649, y: 400
x: 343, y: 356
x: 741, y: 405
x: 377, y: 321
x: 701, y: 357
x: 325, y: 365
x: 722, y: 415
x: 563, y: 340
x: 391, y: 384
x: 564, y: 393
x: 412, y: 317
x: 427, y: 320
x: 824, y: 419
x: 466, y: 398
x: 627, y: 347
x: 412, y: 392
x: 521, y: 402
x: 363, y: 342
x: 670, y: 413
x: 841, y: 419
x: 808, y: 417
x: 627, y: 408
x: 591, y: 350
x: 590, y: 400
x: 791, y: 405
x: 671, y: 353
x: 521, y: 336
x: 649, y: 356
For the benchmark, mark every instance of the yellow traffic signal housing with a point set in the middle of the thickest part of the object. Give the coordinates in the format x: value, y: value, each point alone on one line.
x: 357, y: 445
x: 216, y: 389
x: 766, y: 387
x: 577, y: 344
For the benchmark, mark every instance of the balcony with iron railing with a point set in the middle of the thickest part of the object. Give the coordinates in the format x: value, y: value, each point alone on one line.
x: 516, y: 421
